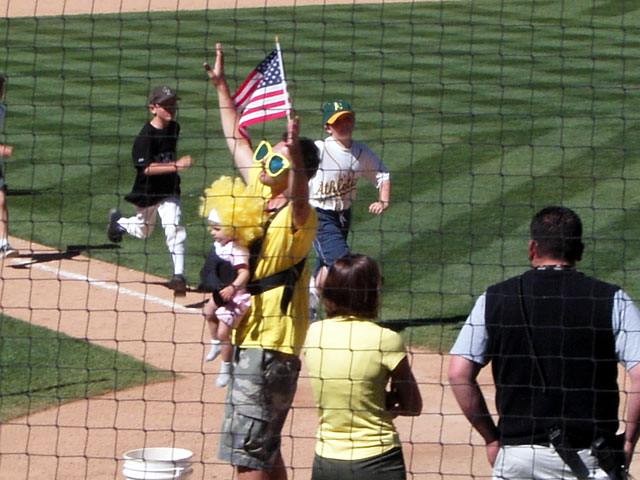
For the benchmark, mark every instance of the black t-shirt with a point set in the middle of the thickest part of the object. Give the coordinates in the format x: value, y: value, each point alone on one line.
x: 153, y: 145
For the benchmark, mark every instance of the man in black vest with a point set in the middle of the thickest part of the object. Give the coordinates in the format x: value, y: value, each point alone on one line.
x: 554, y: 337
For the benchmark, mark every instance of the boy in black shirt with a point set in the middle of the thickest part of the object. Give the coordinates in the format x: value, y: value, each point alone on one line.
x: 156, y: 189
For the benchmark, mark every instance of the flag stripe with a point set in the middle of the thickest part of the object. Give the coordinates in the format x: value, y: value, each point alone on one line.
x: 243, y: 95
x: 266, y: 103
x: 270, y: 106
x: 263, y: 118
x: 263, y: 95
x: 265, y: 100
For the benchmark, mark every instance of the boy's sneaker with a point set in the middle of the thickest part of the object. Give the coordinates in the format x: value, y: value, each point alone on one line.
x: 7, y: 252
x: 179, y: 285
x: 114, y: 231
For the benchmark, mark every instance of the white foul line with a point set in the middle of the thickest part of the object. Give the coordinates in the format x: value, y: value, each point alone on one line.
x: 113, y: 287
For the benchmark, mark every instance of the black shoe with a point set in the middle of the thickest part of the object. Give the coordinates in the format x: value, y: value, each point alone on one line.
x: 114, y: 232
x: 179, y: 285
x: 8, y: 252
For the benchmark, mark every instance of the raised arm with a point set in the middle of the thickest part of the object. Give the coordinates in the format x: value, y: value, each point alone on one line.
x: 239, y: 146
x: 298, y: 180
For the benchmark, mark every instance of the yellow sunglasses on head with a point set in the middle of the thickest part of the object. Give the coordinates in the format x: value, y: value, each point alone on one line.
x: 274, y: 163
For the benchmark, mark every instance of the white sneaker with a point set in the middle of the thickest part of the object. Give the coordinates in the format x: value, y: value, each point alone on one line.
x: 8, y: 252
x: 214, y: 351
x: 225, y: 375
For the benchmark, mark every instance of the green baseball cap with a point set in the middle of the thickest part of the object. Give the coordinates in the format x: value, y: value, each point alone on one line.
x: 335, y: 109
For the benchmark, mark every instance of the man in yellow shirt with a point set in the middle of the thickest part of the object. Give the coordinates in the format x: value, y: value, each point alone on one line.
x: 268, y: 341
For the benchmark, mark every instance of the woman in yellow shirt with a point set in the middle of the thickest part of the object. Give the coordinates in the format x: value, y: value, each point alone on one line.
x: 351, y: 360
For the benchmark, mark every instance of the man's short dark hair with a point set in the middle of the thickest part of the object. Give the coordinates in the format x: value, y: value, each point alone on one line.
x: 311, y: 156
x: 352, y: 287
x: 558, y: 233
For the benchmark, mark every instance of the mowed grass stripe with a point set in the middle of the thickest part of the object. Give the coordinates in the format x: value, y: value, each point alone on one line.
x: 483, y: 112
x: 490, y: 219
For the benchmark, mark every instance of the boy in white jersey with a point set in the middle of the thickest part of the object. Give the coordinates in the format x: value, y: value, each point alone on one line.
x: 333, y: 190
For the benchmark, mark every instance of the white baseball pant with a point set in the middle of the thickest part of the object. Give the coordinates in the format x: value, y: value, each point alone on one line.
x: 170, y: 211
x: 536, y: 462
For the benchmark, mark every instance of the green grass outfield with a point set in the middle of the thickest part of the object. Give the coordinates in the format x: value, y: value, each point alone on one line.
x: 484, y: 112
x: 40, y: 368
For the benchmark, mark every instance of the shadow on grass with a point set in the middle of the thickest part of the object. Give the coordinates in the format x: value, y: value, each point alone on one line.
x: 25, y: 191
x: 402, y: 323
x: 53, y: 387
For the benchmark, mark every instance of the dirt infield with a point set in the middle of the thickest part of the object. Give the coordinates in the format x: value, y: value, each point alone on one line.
x: 135, y: 313
x: 21, y: 8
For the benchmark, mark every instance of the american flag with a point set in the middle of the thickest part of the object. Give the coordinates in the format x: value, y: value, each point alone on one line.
x: 263, y: 95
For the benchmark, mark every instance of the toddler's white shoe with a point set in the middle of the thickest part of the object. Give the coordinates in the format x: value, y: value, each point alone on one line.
x: 225, y: 375
x: 214, y: 351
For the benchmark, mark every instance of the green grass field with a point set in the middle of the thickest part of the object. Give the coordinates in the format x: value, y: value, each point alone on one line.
x: 40, y: 368
x: 484, y: 112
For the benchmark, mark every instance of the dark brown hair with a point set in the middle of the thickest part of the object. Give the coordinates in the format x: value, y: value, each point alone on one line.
x: 352, y: 287
x: 310, y: 155
x: 558, y: 233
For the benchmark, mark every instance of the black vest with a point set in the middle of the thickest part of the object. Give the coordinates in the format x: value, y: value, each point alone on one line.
x: 573, y: 383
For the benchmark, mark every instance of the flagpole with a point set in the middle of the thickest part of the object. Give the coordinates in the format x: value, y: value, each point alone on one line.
x: 284, y: 79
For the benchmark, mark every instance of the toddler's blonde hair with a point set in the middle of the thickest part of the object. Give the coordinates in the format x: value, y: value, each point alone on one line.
x: 239, y: 208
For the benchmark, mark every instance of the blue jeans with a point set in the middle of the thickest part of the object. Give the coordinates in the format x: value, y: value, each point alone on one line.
x: 331, y: 240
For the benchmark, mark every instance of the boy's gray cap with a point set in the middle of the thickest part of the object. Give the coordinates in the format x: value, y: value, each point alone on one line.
x: 161, y: 94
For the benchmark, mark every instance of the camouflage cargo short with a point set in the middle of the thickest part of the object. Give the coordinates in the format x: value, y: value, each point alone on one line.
x: 259, y: 396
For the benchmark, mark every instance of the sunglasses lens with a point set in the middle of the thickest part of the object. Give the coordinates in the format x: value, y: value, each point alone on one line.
x: 276, y: 164
x: 263, y: 150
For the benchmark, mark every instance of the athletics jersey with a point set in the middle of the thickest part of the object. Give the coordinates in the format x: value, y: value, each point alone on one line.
x: 334, y: 186
x: 350, y: 361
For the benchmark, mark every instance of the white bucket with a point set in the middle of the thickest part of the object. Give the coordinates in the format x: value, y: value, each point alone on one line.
x: 159, y: 463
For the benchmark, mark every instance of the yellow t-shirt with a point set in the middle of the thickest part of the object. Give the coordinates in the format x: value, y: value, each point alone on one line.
x: 265, y: 326
x: 350, y: 361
